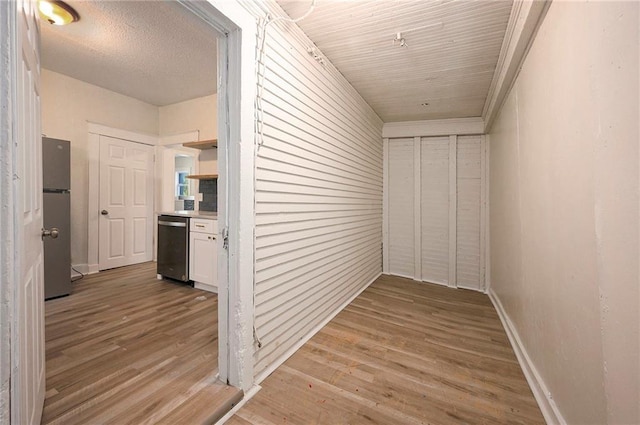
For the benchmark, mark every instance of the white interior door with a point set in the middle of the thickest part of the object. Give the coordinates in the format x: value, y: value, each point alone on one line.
x: 27, y: 360
x: 126, y: 203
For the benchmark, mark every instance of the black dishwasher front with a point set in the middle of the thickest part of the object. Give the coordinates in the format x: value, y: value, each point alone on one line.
x: 173, y: 247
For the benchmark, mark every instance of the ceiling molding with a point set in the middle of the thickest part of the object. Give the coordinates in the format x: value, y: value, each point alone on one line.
x: 446, y: 127
x: 524, y: 21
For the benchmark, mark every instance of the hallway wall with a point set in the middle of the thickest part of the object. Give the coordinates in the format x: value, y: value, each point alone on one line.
x: 564, y: 211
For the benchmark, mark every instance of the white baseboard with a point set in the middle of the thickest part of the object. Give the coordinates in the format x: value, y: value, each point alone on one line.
x: 247, y: 396
x: 269, y: 370
x: 540, y: 391
x: 206, y: 287
x: 84, y: 269
x: 93, y: 268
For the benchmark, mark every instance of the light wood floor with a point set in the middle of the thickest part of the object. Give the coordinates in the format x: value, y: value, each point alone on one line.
x: 126, y: 348
x: 401, y: 353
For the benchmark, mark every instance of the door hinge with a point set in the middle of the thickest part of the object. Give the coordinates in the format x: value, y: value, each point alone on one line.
x: 225, y: 238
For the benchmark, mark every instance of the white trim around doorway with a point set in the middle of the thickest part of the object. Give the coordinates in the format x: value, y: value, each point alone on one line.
x: 236, y: 110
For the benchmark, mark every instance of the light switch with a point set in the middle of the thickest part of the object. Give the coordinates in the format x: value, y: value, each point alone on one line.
x: 199, y: 197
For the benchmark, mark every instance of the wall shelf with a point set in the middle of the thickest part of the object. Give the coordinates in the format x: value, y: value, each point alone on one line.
x: 202, y: 176
x: 202, y: 144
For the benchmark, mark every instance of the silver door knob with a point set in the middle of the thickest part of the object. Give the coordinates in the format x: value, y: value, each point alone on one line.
x: 104, y: 212
x: 53, y: 233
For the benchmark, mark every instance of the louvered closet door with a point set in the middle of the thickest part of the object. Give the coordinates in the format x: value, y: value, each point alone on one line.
x: 401, y: 207
x: 435, y: 210
x: 468, y: 215
x: 434, y: 198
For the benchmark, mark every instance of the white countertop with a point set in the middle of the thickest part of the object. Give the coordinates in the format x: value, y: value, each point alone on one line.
x: 195, y: 214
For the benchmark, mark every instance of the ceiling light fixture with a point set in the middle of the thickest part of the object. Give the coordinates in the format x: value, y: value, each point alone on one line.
x: 57, y: 12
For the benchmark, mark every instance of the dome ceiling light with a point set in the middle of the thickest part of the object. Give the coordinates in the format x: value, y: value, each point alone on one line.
x: 57, y: 12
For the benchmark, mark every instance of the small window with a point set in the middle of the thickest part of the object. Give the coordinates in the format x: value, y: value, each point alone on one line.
x: 182, y: 183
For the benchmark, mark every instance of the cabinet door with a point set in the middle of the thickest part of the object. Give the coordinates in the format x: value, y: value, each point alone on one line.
x: 202, y: 258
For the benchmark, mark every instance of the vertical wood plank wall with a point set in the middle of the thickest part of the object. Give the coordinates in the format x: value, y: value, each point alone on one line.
x: 318, y: 193
x: 445, y: 177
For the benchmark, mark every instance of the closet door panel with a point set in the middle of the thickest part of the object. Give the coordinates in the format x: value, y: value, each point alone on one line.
x: 401, y: 207
x: 468, y: 215
x: 434, y: 198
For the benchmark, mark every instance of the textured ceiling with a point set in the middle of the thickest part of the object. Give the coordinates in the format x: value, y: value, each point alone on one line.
x: 444, y: 71
x: 158, y: 52
x: 154, y: 51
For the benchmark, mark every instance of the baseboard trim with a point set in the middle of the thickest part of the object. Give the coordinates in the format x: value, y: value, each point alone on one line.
x: 247, y: 396
x: 93, y: 268
x: 540, y: 391
x: 205, y: 287
x: 84, y: 269
x: 269, y: 370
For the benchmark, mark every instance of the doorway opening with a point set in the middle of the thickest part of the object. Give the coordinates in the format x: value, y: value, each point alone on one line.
x: 24, y: 402
x: 121, y: 281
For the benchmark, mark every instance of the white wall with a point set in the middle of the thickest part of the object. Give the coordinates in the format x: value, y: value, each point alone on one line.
x: 196, y: 114
x: 318, y: 194
x: 564, y: 210
x: 67, y: 105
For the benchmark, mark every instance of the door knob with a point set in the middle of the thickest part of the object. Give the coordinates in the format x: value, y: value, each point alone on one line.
x: 53, y: 233
x: 104, y: 212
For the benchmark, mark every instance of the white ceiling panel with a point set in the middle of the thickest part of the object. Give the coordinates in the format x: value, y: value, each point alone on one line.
x: 154, y: 51
x: 444, y: 71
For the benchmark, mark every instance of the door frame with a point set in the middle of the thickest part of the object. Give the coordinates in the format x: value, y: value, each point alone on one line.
x: 237, y: 81
x: 9, y: 210
x: 93, y: 206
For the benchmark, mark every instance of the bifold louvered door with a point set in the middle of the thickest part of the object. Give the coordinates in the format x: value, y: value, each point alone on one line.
x: 469, y: 213
x: 401, y: 208
x: 435, y: 207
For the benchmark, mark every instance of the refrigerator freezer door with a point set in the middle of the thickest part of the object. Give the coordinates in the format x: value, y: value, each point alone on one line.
x: 57, y: 252
x: 55, y: 164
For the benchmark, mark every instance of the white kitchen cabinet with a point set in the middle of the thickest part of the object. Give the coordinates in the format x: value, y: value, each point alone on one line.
x: 203, y: 258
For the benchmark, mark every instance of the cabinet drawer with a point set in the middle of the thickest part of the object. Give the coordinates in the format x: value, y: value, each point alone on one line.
x: 202, y: 225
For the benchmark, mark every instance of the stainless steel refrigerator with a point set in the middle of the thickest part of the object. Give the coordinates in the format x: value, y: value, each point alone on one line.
x: 56, y: 184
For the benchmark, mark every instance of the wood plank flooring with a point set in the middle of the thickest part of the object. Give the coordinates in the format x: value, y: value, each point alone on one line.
x: 126, y: 348
x: 401, y: 353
